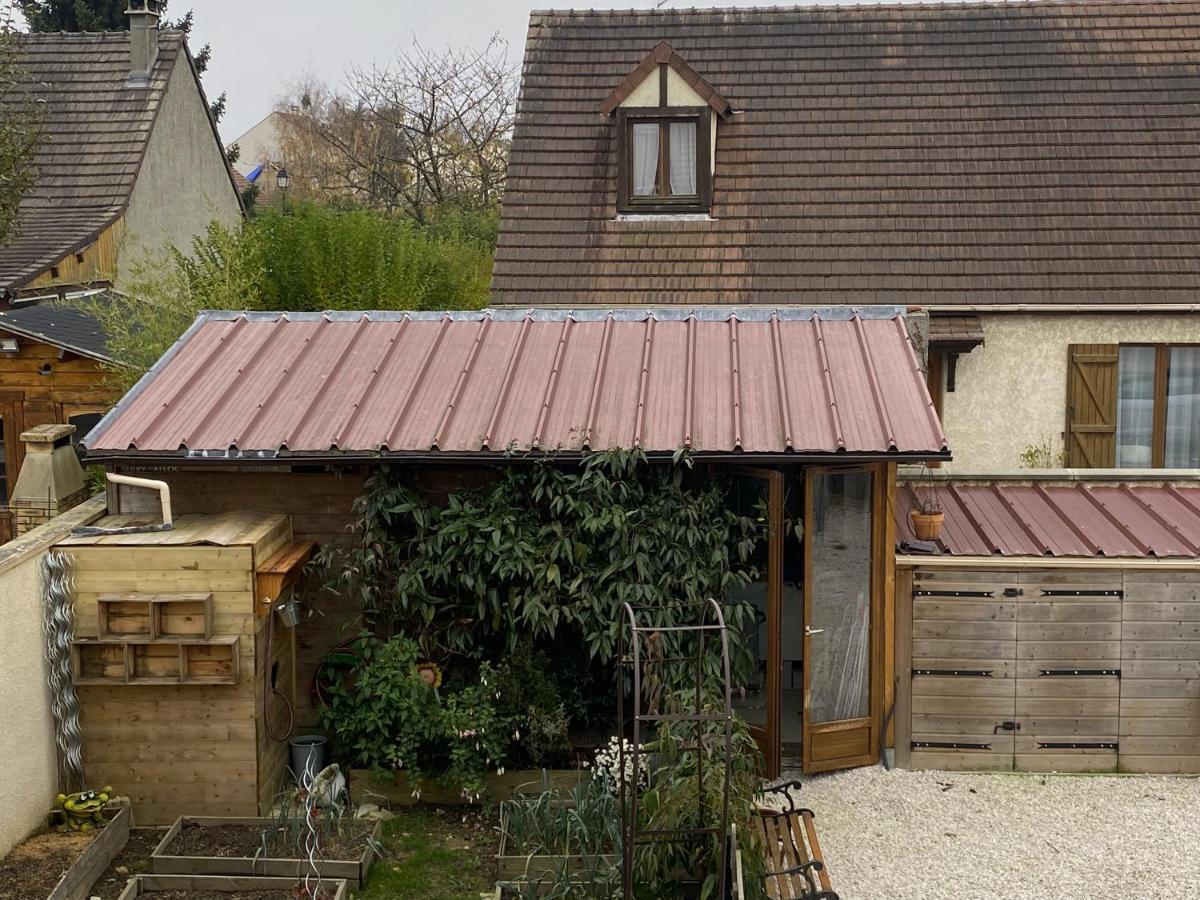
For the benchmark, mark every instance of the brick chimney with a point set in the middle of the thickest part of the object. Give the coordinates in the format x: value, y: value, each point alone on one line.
x: 143, y: 40
x: 51, y: 479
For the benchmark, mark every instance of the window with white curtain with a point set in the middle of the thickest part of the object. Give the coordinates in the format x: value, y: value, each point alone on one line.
x: 1158, y: 406
x: 1135, y: 407
x: 1183, y: 408
x: 666, y: 161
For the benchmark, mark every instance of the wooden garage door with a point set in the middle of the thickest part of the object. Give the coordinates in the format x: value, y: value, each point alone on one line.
x: 1068, y: 672
x: 1015, y: 670
x: 964, y: 664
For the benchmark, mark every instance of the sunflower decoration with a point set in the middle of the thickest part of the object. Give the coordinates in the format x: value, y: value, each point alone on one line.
x: 430, y: 673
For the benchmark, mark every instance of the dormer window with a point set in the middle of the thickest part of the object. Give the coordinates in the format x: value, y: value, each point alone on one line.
x: 663, y: 159
x: 665, y: 118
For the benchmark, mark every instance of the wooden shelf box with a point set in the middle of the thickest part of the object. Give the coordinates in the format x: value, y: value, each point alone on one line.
x: 154, y: 663
x: 155, y: 615
x: 211, y: 662
x: 98, y: 661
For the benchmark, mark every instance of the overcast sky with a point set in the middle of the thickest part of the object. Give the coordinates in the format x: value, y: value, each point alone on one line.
x: 261, y: 45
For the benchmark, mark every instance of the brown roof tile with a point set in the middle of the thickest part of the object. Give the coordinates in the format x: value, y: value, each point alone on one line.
x: 94, y: 133
x: 1037, y: 152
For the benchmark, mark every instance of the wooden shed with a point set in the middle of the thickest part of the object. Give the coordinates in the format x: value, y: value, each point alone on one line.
x: 1054, y: 626
x: 171, y: 662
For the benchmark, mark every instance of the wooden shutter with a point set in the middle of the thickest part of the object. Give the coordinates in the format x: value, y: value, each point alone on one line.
x: 1092, y: 405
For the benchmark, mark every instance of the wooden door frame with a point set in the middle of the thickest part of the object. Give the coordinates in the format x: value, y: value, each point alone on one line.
x: 772, y: 735
x: 12, y: 420
x: 876, y: 650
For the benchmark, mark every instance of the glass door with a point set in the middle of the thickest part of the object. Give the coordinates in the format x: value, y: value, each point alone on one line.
x: 758, y: 493
x: 840, y: 609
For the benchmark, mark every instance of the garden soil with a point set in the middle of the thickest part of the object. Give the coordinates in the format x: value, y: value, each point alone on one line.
x: 226, y: 841
x: 34, y: 867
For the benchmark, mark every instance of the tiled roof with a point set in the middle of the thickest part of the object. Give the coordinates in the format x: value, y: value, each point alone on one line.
x: 93, y: 135
x: 62, y: 325
x: 994, y: 153
x: 717, y: 381
x: 961, y: 331
x: 1032, y: 519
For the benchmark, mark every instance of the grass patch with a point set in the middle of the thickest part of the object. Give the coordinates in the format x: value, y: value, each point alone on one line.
x: 436, y: 854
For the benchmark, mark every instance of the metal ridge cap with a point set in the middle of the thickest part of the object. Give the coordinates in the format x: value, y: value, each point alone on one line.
x: 711, y: 313
x: 1068, y: 476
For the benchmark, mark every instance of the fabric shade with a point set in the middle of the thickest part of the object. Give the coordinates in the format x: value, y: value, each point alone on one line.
x: 683, y: 159
x: 1183, y: 409
x: 1135, y: 407
x: 645, y: 159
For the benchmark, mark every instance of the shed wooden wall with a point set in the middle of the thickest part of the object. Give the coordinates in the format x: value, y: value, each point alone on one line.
x: 194, y: 749
x: 95, y: 262
x: 1019, y: 625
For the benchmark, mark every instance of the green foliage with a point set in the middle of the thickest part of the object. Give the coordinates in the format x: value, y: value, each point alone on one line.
x: 320, y: 258
x: 19, y: 131
x: 88, y: 15
x: 584, y: 821
x: 686, y: 791
x: 1043, y: 455
x: 310, y: 258
x: 384, y: 716
x: 530, y: 696
x: 543, y: 551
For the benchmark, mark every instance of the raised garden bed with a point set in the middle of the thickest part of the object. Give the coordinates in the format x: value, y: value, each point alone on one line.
x: 397, y: 790
x: 28, y: 872
x: 205, y: 845
x: 226, y: 887
x: 511, y: 866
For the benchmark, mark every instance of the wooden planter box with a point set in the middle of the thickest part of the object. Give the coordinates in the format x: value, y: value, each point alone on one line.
x: 149, y: 885
x: 397, y: 790
x: 77, y: 881
x: 162, y: 862
x: 510, y: 867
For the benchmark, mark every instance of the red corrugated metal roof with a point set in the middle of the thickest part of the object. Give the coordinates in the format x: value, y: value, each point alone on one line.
x: 716, y: 381
x: 1035, y: 519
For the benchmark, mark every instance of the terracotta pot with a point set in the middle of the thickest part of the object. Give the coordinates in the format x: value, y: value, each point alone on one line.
x: 927, y: 526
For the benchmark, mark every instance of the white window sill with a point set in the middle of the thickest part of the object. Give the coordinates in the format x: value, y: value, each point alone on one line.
x: 664, y: 217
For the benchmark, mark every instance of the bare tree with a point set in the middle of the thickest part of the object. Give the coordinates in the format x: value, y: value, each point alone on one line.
x: 430, y: 130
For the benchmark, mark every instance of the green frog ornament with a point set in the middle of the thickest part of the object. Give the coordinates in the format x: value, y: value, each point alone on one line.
x: 82, y: 811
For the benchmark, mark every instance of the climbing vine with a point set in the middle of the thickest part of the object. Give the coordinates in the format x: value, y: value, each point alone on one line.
x: 544, y: 552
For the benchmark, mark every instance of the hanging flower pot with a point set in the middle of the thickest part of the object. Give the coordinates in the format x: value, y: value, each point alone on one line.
x: 927, y: 522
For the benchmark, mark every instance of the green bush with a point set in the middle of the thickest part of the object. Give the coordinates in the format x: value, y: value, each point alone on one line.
x: 544, y: 551
x: 382, y: 715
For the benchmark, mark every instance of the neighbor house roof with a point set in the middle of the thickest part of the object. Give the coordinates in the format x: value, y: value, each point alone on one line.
x: 995, y: 153
x: 956, y: 332
x: 94, y: 131
x: 718, y: 381
x: 1037, y: 519
x: 66, y: 325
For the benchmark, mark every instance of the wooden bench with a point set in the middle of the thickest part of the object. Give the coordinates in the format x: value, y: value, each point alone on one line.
x: 795, y: 868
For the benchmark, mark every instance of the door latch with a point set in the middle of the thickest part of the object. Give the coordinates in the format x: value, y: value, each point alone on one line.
x: 1007, y: 726
x: 809, y: 632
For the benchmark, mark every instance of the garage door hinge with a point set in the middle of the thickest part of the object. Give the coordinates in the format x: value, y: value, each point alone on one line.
x: 953, y: 594
x: 1077, y: 745
x: 1063, y: 593
x: 1078, y: 673
x: 959, y: 673
x: 948, y: 745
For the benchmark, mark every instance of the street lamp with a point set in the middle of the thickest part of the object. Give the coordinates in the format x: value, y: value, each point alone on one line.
x: 283, y: 182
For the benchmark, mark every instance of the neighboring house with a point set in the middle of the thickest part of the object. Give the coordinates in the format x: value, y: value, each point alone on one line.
x: 129, y: 160
x: 1025, y: 173
x: 260, y: 145
x: 52, y: 370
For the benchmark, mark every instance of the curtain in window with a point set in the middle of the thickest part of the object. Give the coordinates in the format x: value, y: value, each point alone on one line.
x: 645, y: 159
x: 1183, y: 409
x: 683, y: 159
x: 1135, y: 407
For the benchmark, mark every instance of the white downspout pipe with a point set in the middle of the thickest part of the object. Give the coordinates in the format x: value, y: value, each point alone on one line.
x: 164, y: 492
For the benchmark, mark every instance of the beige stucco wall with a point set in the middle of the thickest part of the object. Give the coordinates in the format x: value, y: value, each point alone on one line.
x: 29, y: 774
x: 184, y: 182
x: 1011, y: 393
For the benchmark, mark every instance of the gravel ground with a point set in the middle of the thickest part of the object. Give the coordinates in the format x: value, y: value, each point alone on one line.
x: 958, y: 836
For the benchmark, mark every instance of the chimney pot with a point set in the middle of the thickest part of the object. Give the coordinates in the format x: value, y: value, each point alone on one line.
x: 143, y: 39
